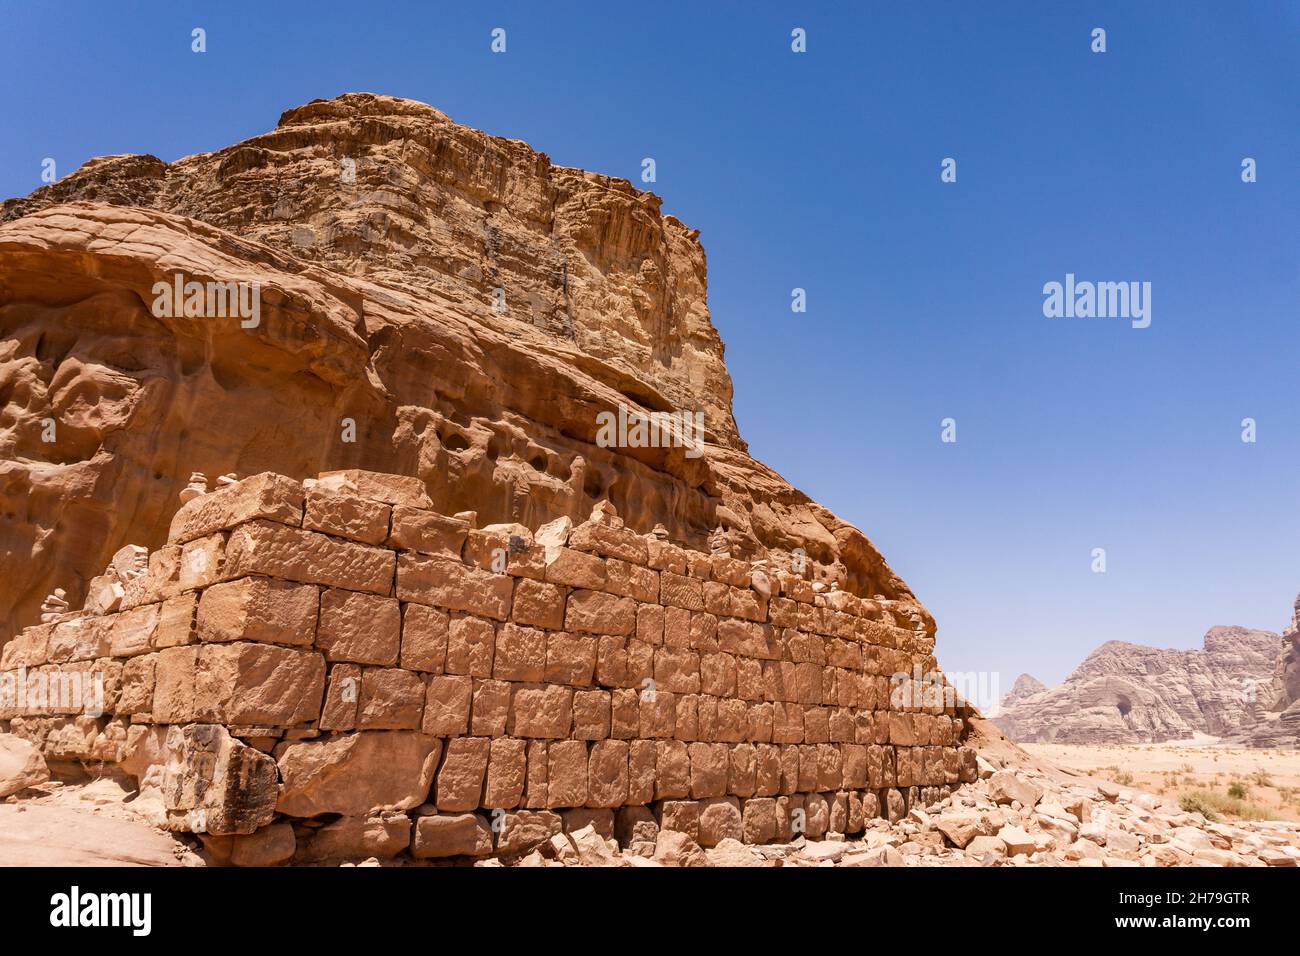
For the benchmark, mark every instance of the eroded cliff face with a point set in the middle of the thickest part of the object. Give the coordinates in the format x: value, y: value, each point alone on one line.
x: 434, y: 302
x: 1128, y: 693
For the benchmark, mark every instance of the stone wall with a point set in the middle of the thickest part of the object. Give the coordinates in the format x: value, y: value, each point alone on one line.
x: 330, y: 668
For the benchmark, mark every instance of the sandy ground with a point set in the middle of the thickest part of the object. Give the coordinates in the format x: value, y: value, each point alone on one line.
x: 82, y: 825
x: 1268, y: 781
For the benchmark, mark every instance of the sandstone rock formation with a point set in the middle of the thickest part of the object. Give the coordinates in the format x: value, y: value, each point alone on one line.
x: 432, y: 301
x: 1277, y: 703
x: 1128, y: 693
x: 1026, y: 685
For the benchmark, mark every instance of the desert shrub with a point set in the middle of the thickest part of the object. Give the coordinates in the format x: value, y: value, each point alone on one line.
x: 1214, y: 805
x: 1237, y: 790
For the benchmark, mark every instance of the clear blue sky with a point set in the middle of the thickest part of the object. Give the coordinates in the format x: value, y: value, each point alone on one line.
x: 925, y: 299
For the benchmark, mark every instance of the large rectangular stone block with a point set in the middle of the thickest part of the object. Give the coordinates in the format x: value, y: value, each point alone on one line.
x: 278, y: 551
x: 267, y: 495
x: 448, y: 583
x: 264, y: 610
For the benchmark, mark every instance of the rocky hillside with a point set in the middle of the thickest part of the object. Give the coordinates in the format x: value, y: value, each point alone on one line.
x: 1128, y: 693
x: 434, y: 302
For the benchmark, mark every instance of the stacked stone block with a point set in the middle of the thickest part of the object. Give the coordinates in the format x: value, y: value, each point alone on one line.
x: 335, y: 656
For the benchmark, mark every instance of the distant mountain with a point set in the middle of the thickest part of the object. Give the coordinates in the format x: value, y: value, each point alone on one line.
x: 1128, y: 693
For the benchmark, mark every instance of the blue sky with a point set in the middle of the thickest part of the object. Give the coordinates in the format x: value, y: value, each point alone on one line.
x: 821, y: 171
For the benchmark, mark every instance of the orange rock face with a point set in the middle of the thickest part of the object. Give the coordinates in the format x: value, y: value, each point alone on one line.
x: 432, y: 302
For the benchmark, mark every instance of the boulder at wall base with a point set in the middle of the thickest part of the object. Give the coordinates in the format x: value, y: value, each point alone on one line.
x: 213, y: 783
x: 356, y: 774
x: 21, y: 765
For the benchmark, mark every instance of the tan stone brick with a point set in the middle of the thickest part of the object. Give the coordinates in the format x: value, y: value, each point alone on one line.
x: 259, y: 609
x: 138, y: 686
x: 541, y: 712
x: 278, y: 551
x: 470, y: 645
x: 758, y: 820
x: 759, y: 719
x: 855, y: 766
x: 677, y: 671
x: 709, y: 767
x: 418, y: 529
x: 733, y: 720
x: 443, y: 835
x: 342, y: 698
x: 625, y: 716
x: 267, y: 495
x: 522, y: 831
x: 176, y: 621
x: 683, y: 816
x: 672, y: 770
x: 359, y: 628
x: 347, y: 516
x: 132, y: 633
x: 631, y: 580
x: 460, y: 779
x: 678, y: 591
x: 808, y: 767
x: 716, y: 599
x: 174, y: 683
x: 258, y: 685
x: 698, y: 565
x: 391, y: 699
x: 566, y: 773
x: 520, y: 654
x: 767, y: 775
x: 720, y: 819
x: 598, y: 613
x: 677, y: 628
x: 491, y: 709
x: 706, y: 722
x: 748, y: 639
x: 506, y: 773
x: 447, y: 706
x: 816, y: 725
x: 591, y: 714
x: 376, y: 486
x: 787, y: 723
x: 704, y: 632
x: 607, y: 776
x: 640, y: 663
x: 742, y: 771
x: 535, y: 783
x: 574, y: 569
x: 718, y: 674
x: 641, y: 768
x: 650, y: 623
x: 830, y: 767
x: 539, y: 604
x: 447, y: 583
x: 570, y: 658
x: 622, y: 543
x: 686, y: 726
x: 664, y: 556
x: 658, y: 716
x: 424, y: 639
x: 611, y: 661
